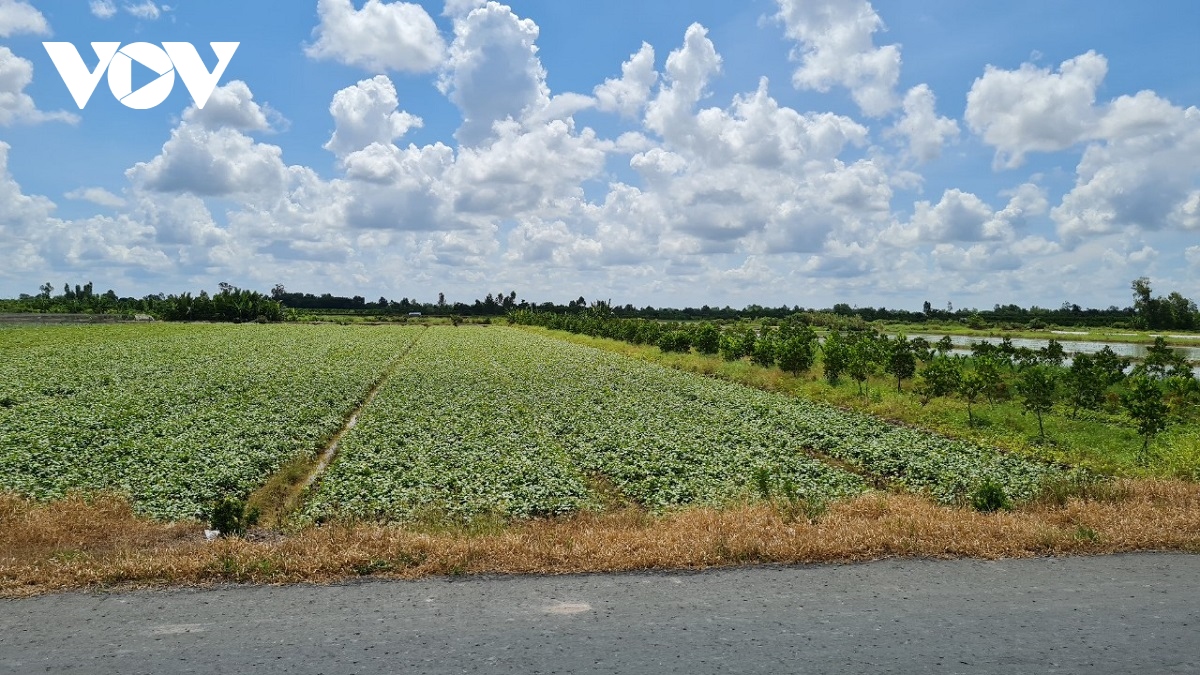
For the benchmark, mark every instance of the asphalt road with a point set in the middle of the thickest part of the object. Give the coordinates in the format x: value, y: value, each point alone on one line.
x: 1119, y: 614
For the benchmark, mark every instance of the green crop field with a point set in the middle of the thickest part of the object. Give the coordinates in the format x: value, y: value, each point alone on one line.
x: 496, y: 420
x: 176, y: 415
x: 479, y: 420
x: 468, y: 421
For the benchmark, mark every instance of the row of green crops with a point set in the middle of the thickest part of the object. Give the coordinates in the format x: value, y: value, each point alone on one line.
x: 492, y: 420
x: 501, y: 421
x: 450, y: 433
x: 176, y: 416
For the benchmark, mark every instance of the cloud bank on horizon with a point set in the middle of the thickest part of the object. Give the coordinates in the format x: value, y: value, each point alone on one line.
x: 777, y: 152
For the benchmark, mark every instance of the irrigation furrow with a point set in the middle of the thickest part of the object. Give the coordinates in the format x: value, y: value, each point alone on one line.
x: 276, y: 510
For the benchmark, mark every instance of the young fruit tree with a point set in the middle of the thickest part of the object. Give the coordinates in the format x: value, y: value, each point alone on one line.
x: 836, y: 355
x: 940, y: 378
x: 988, y: 367
x: 901, y: 359
x: 1143, y: 400
x: 707, y: 339
x: 763, y: 353
x: 945, y: 345
x: 971, y: 386
x: 1086, y: 384
x: 795, y: 353
x: 863, y: 361
x: 1037, y: 386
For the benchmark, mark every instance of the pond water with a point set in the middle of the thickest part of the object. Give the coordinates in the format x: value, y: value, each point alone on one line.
x: 1126, y: 349
x: 962, y: 346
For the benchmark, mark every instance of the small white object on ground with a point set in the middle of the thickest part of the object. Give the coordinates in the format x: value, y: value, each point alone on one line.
x: 210, y: 535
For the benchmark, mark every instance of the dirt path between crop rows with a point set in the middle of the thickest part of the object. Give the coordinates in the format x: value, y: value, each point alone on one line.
x: 281, y: 495
x: 330, y: 452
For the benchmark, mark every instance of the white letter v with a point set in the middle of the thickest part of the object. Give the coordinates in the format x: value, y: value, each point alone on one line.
x: 199, y: 82
x: 79, y: 80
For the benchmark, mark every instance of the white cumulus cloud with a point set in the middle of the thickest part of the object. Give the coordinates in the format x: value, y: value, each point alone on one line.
x: 212, y: 163
x: 17, y: 107
x: 232, y: 105
x: 1034, y: 109
x: 493, y: 72
x: 629, y: 93
x: 96, y: 195
x: 396, y: 36
x: 837, y: 47
x: 926, y: 132
x: 368, y: 113
x: 18, y: 17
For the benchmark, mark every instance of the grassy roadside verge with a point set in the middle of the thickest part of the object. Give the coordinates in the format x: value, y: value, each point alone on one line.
x: 1092, y: 440
x: 99, y: 544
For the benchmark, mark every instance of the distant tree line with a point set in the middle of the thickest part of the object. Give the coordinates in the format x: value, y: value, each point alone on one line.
x: 1173, y: 311
x: 229, y: 304
x: 1157, y: 313
x: 492, y: 305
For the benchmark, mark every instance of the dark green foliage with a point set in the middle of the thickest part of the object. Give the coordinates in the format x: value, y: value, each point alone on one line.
x: 988, y: 368
x: 1086, y: 383
x: 1111, y: 367
x: 1052, y: 354
x: 1038, y: 387
x: 901, y: 359
x: 675, y: 341
x: 797, y: 352
x: 231, y: 304
x: 764, y: 349
x: 1006, y: 350
x: 231, y: 518
x: 837, y: 356
x: 923, y: 349
x: 945, y: 345
x: 1181, y: 393
x: 989, y: 497
x: 1143, y: 400
x: 864, y: 356
x: 1173, y: 311
x: 941, y: 377
x: 1024, y: 357
x: 983, y: 348
x: 706, y: 339
x: 735, y: 345
x: 762, y: 482
x: 1162, y: 361
x: 729, y: 347
x: 971, y: 386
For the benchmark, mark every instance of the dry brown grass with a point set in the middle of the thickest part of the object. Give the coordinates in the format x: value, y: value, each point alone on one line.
x: 94, y: 544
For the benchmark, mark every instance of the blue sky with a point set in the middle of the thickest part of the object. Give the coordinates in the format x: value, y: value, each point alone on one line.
x: 669, y: 153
